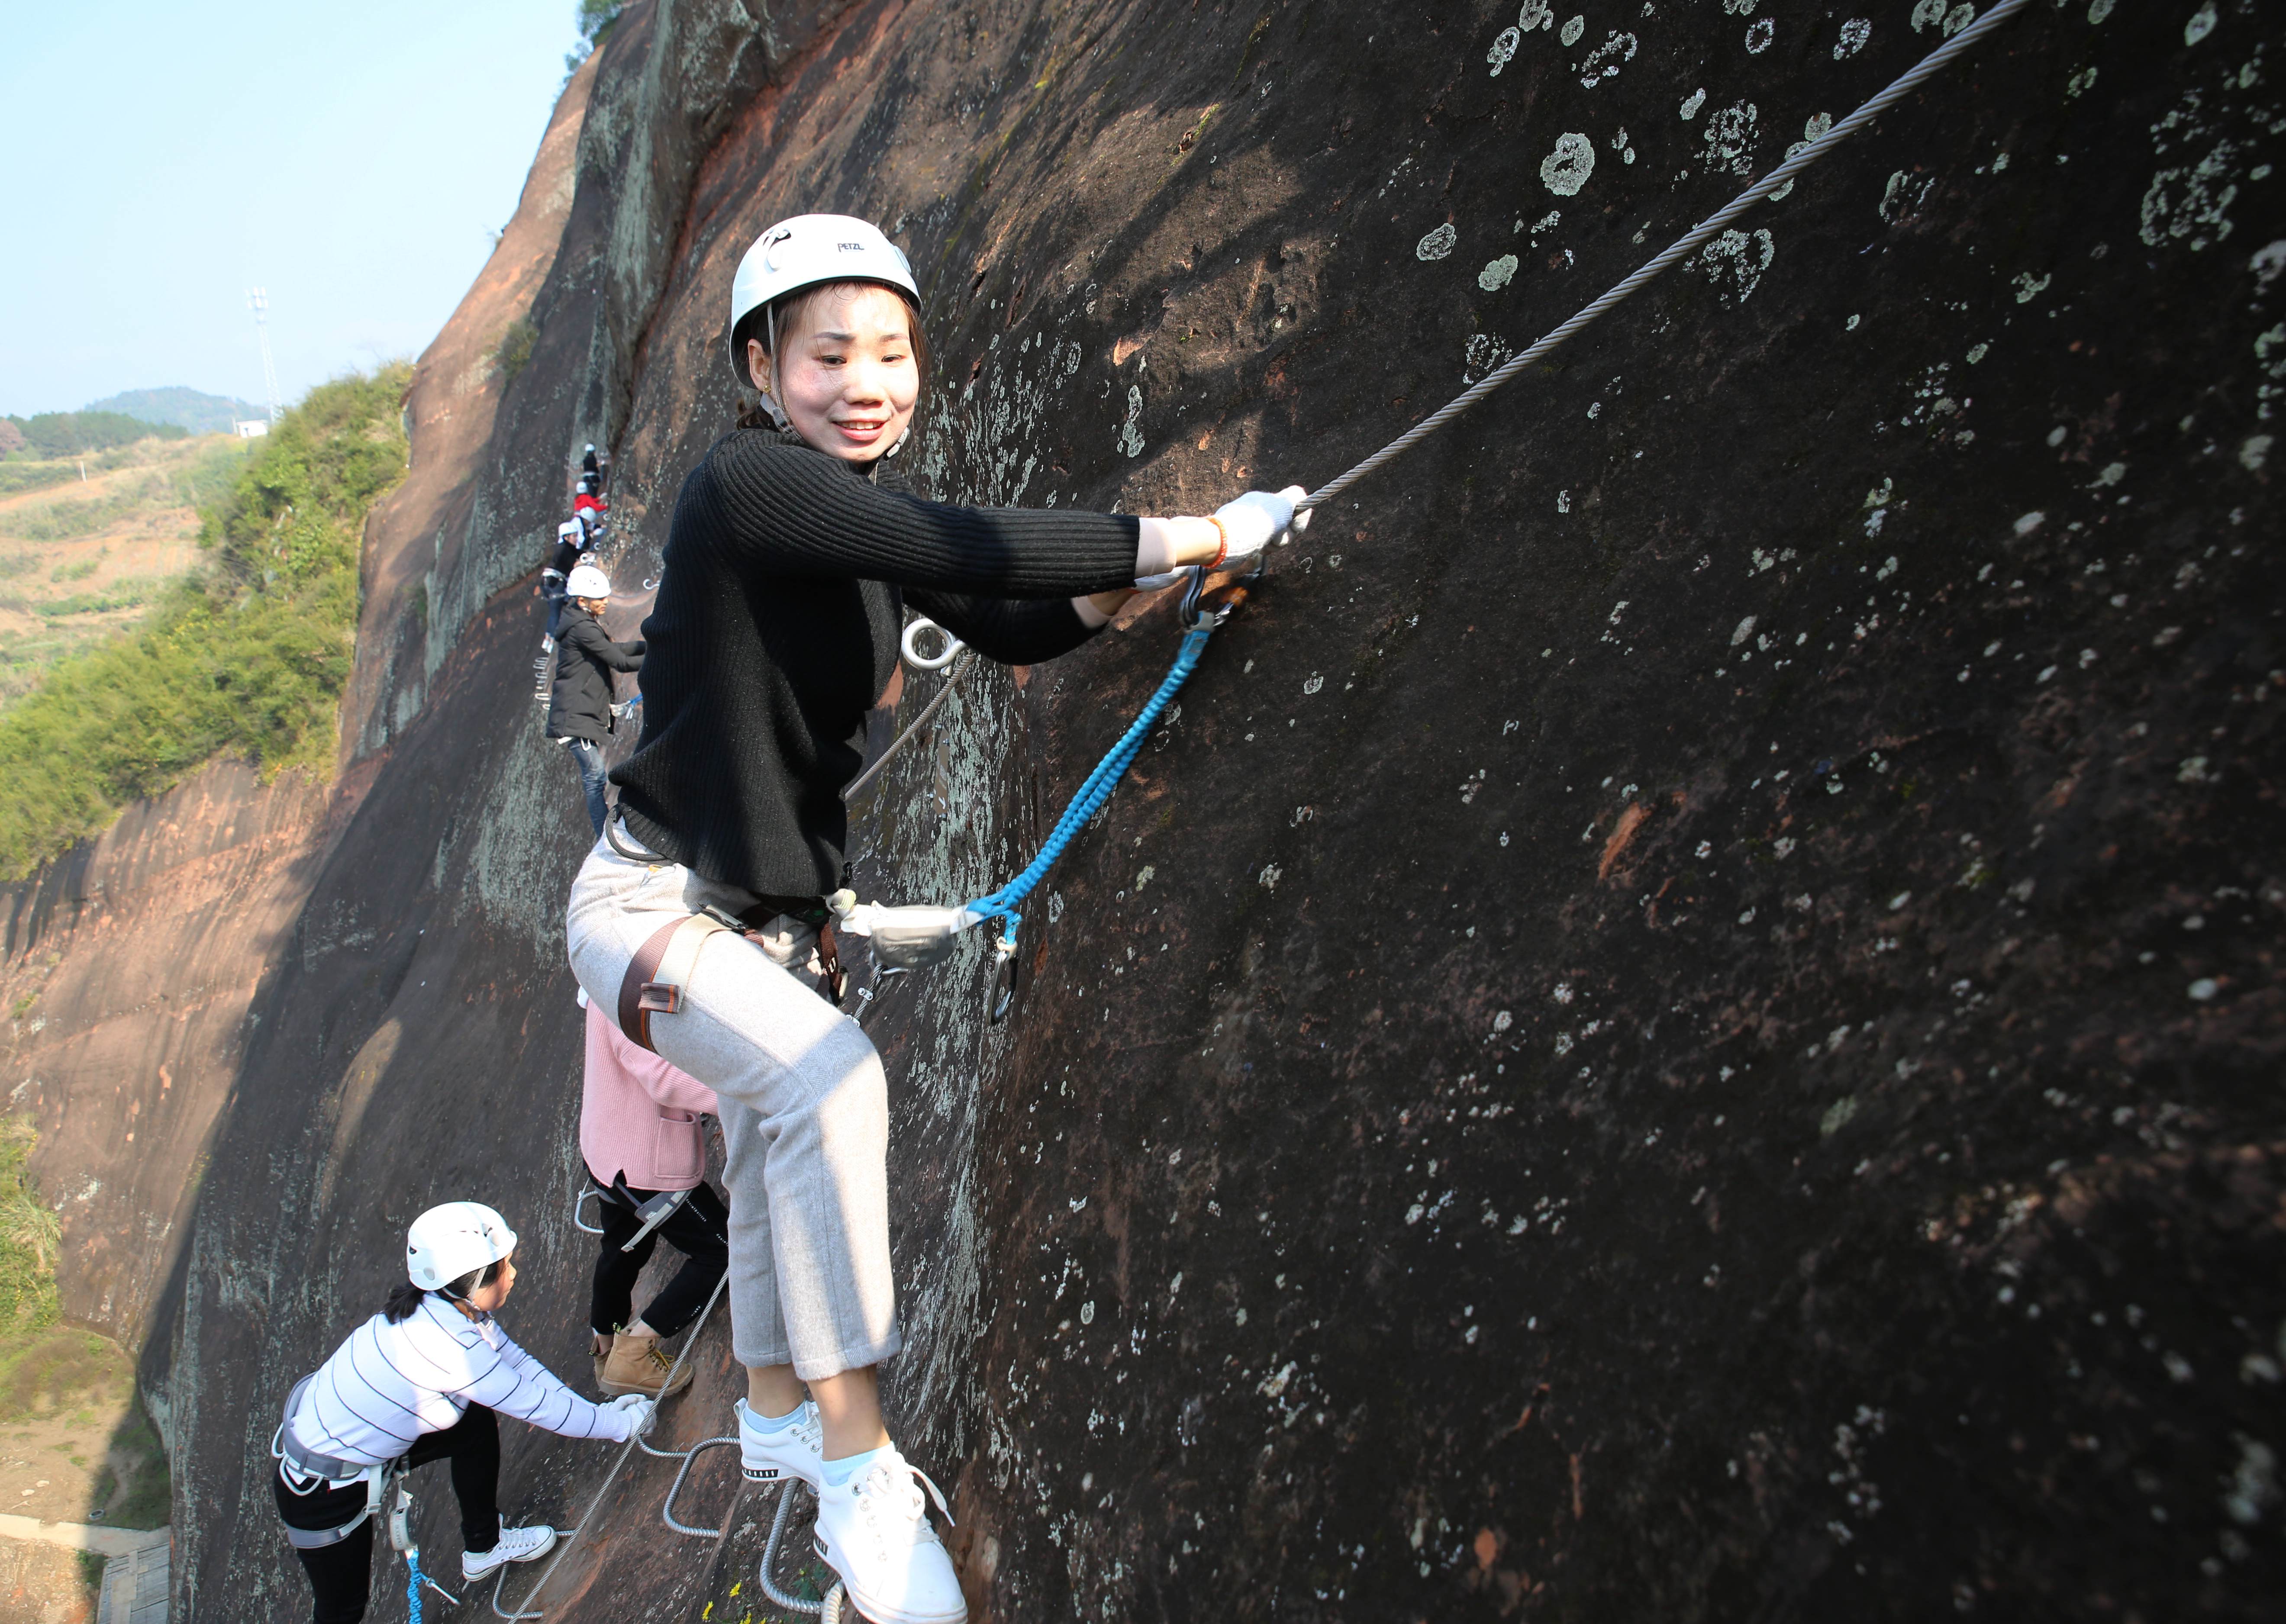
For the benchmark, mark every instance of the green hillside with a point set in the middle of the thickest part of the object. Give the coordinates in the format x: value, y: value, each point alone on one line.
x: 186, y: 408
x: 249, y: 654
x: 71, y: 434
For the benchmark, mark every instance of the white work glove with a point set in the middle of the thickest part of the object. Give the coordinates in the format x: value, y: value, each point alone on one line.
x: 1249, y: 523
x: 640, y: 1411
x: 1257, y: 519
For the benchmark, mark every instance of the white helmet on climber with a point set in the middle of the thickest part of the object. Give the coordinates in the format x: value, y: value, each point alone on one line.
x: 587, y: 581
x: 804, y: 251
x: 448, y: 1242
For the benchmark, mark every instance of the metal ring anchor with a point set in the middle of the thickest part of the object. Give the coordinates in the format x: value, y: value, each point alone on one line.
x: 938, y: 662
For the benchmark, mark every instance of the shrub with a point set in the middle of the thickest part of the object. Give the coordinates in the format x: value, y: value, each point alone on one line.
x: 29, y: 1235
x: 515, y: 347
x: 250, y: 655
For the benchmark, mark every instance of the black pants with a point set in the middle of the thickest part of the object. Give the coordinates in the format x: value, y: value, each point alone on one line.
x: 341, y: 1573
x: 700, y: 1229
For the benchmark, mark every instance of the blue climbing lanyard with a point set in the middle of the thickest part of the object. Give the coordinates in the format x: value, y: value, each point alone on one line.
x: 413, y: 1581
x: 1001, y: 905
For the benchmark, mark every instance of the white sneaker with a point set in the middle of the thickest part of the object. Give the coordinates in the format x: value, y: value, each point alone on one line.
x: 794, y: 1450
x: 515, y: 1545
x: 874, y: 1532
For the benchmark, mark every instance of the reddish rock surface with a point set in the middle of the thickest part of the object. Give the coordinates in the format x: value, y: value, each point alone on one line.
x: 1685, y: 1022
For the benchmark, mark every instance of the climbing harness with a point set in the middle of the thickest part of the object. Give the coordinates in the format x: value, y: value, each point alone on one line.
x: 651, y: 1213
x: 384, y: 1484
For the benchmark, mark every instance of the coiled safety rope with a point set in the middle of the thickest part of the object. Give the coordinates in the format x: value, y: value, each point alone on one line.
x: 1676, y: 252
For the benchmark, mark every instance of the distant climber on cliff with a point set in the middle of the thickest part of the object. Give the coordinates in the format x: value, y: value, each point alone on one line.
x: 581, y: 714
x: 588, y: 505
x: 562, y: 557
x: 641, y: 1137
x: 592, y: 466
x: 788, y: 563
x: 424, y: 1380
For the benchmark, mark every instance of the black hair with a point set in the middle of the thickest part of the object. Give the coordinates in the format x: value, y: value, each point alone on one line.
x: 753, y: 325
x: 405, y: 1297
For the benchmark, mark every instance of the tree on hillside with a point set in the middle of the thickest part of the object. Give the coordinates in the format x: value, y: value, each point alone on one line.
x: 76, y: 434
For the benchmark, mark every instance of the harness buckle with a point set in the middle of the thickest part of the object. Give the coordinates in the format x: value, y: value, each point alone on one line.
x: 659, y: 998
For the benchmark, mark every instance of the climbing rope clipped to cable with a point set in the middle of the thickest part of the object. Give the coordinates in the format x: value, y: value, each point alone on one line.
x: 910, y: 937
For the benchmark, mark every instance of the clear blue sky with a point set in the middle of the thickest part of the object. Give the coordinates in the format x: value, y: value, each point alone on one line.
x: 163, y: 155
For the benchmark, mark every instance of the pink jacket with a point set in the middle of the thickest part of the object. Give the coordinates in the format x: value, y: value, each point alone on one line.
x: 638, y: 1115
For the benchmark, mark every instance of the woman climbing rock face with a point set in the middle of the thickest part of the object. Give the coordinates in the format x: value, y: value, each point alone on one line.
x: 424, y: 1380
x: 789, y: 563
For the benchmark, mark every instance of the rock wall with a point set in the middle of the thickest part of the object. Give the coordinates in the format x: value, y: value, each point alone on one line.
x: 1685, y: 1018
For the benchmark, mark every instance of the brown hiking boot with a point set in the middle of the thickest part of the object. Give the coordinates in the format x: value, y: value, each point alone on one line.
x: 639, y: 1365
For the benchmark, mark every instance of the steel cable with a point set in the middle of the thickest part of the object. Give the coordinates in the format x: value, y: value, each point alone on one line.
x: 1680, y: 249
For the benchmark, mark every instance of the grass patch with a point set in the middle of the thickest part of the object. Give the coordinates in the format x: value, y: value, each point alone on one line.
x: 29, y: 1239
x: 513, y: 351
x: 133, y: 1490
x: 248, y: 656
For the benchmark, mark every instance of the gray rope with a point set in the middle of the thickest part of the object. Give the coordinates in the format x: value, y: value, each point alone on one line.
x: 1682, y: 249
x: 856, y: 785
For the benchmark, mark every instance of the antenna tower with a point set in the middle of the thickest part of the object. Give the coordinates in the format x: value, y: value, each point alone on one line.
x: 257, y: 300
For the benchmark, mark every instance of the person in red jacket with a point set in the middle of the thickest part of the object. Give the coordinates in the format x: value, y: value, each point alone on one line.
x: 643, y: 1136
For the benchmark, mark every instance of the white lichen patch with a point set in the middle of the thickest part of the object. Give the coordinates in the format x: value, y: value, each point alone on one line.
x: 1571, y: 30
x: 2191, y: 202
x: 1946, y: 20
x: 1903, y: 196
x: 2201, y: 25
x: 1503, y: 51
x: 1734, y: 262
x: 1855, y: 33
x: 1484, y: 352
x: 1130, y: 435
x: 1565, y: 170
x: 1498, y: 274
x: 1731, y: 138
x: 1536, y: 14
x: 1759, y: 37
x: 1605, y: 60
x: 1692, y: 104
x: 1437, y: 243
x: 2029, y: 288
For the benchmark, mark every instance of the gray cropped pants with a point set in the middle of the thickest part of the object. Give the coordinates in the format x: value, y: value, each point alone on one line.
x: 805, y: 1114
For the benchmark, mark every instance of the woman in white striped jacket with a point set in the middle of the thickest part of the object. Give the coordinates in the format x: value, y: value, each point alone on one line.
x: 424, y: 1380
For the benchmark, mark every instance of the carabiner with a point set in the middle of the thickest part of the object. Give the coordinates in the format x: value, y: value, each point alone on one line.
x: 1002, y: 999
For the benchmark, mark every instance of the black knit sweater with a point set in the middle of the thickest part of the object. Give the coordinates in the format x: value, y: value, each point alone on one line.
x: 776, y: 628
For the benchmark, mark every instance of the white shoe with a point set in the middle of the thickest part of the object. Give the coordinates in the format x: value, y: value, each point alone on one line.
x: 515, y: 1545
x: 874, y: 1532
x: 794, y: 1450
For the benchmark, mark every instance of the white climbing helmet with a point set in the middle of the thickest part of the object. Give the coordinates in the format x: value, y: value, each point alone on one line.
x: 587, y: 581
x: 448, y: 1242
x: 804, y: 251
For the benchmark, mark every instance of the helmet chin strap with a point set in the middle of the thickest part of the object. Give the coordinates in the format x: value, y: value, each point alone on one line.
x: 770, y: 348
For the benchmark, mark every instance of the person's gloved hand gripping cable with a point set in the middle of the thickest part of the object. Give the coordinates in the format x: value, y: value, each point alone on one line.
x: 1233, y: 539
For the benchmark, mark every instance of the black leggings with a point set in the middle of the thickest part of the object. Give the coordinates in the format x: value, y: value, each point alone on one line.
x: 341, y: 1573
x: 698, y: 1229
